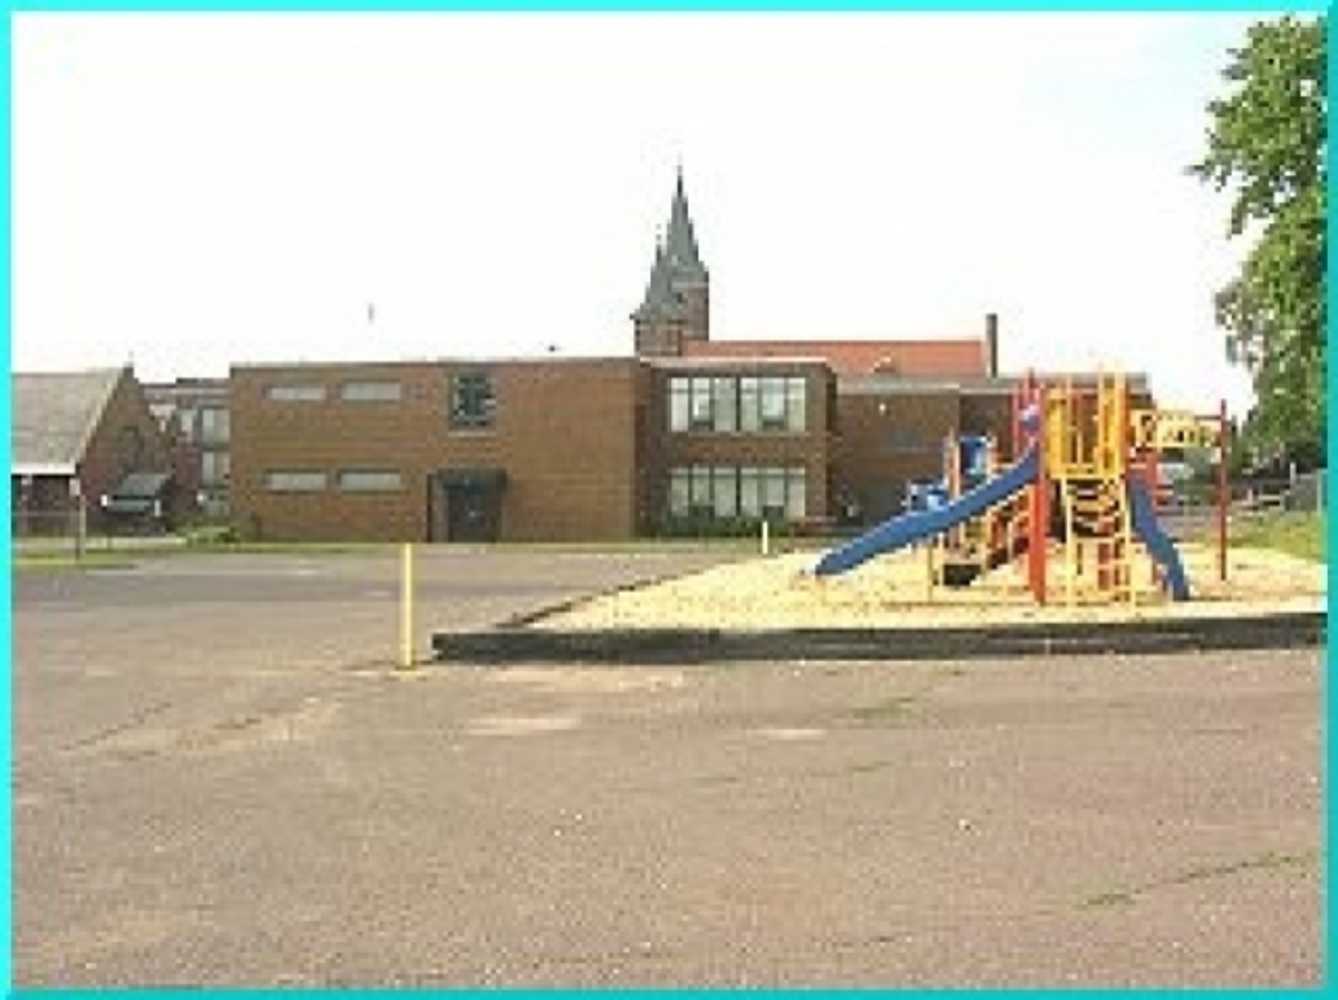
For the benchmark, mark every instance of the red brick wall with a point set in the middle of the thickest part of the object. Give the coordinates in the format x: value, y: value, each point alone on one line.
x: 111, y: 454
x: 564, y: 432
x: 886, y: 440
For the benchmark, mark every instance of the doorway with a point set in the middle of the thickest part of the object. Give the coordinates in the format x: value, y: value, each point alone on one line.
x: 465, y: 505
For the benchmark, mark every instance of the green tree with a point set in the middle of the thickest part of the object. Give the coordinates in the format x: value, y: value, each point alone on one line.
x: 1266, y: 142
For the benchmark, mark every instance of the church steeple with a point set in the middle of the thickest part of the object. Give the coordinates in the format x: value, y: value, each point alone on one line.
x: 681, y: 241
x: 677, y: 301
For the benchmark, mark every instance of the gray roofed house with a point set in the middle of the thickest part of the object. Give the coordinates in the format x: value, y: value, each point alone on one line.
x: 77, y: 434
x: 54, y: 417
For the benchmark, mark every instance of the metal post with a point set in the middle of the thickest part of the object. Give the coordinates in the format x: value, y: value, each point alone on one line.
x: 406, y: 606
x: 766, y: 538
x: 80, y: 528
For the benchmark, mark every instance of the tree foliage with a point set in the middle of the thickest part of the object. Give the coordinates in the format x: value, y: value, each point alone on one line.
x: 1266, y: 142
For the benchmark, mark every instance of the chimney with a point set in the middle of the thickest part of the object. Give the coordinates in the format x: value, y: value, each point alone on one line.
x: 992, y: 344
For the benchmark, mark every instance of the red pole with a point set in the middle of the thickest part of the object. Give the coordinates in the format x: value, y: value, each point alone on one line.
x: 1038, y: 528
x: 1223, y: 492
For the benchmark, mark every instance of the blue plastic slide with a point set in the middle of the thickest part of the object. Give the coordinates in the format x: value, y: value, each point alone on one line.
x: 907, y: 528
x: 1160, y: 546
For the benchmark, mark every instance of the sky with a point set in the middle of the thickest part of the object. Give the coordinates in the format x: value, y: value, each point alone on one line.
x: 192, y: 191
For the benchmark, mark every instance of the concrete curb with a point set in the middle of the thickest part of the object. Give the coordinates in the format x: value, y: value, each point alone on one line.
x: 1291, y: 630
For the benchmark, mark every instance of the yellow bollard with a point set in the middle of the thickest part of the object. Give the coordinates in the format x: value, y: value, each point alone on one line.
x: 406, y: 606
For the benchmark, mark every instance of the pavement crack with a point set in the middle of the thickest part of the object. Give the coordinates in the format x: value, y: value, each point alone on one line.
x: 138, y: 719
x: 1268, y: 861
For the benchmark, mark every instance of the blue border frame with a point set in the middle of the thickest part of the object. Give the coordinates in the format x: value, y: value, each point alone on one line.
x: 571, y: 6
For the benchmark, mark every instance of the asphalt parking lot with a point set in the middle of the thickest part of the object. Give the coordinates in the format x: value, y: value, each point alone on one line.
x: 218, y: 779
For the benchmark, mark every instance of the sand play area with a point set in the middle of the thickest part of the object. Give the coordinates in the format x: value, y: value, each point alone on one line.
x: 892, y: 591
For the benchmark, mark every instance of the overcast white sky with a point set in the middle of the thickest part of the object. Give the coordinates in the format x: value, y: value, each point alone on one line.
x: 202, y: 189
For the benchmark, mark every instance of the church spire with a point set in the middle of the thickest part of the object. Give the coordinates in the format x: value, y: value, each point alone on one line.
x: 681, y: 240
x: 676, y: 305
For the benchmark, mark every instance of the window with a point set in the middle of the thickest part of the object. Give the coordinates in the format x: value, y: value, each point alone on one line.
x: 701, y: 404
x: 773, y: 493
x: 701, y: 489
x: 215, y: 468
x: 773, y: 403
x: 796, y: 403
x: 295, y: 481
x: 724, y: 402
x: 731, y: 404
x: 725, y: 488
x: 305, y: 392
x: 473, y: 403
x: 725, y: 492
x: 371, y: 392
x: 680, y: 491
x: 750, y: 491
x: 370, y: 481
x: 749, y: 391
x: 680, y: 396
x: 186, y: 424
x: 215, y: 426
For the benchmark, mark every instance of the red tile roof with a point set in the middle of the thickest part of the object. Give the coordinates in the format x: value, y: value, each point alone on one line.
x: 860, y: 357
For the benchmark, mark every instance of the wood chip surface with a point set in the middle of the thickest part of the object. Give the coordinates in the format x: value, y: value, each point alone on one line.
x: 891, y: 591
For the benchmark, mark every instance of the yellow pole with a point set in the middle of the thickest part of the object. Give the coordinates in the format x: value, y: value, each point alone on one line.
x: 1070, y: 543
x: 406, y: 606
x: 766, y: 538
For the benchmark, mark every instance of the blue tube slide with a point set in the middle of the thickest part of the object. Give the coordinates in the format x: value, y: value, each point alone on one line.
x: 904, y: 529
x: 1159, y: 544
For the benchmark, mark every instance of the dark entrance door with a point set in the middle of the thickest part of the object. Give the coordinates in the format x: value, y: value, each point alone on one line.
x: 471, y: 515
x: 465, y: 505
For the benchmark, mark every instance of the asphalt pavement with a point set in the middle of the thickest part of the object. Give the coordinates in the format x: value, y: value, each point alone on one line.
x: 220, y: 779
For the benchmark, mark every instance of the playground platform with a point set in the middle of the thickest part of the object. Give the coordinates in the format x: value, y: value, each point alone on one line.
x: 777, y: 609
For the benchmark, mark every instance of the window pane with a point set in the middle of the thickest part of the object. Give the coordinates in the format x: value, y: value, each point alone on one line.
x: 749, y: 393
x: 796, y: 498
x: 296, y: 393
x: 214, y: 426
x: 295, y: 482
x: 679, y: 395
x: 797, y: 400
x: 724, y: 390
x: 750, y: 492
x: 773, y: 402
x: 209, y: 468
x: 370, y: 481
x: 186, y: 424
x: 214, y: 468
x: 773, y: 490
x: 679, y: 491
x: 473, y: 402
x: 701, y: 403
x: 726, y: 487
x: 370, y: 392
x: 701, y: 486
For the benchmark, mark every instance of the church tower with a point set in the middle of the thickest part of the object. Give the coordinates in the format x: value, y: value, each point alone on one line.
x: 677, y: 305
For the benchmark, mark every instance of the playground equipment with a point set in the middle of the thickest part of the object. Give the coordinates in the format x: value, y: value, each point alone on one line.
x: 1084, y: 448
